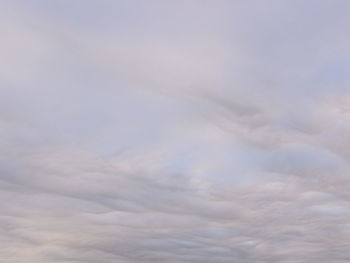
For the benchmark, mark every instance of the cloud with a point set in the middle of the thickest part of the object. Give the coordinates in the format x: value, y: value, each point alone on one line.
x: 174, y: 131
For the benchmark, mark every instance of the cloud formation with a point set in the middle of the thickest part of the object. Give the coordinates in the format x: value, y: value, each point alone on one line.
x: 174, y: 131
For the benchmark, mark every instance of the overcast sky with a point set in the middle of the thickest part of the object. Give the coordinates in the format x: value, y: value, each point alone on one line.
x: 175, y: 131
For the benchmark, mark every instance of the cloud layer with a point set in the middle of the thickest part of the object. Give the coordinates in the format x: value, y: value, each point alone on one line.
x: 174, y: 131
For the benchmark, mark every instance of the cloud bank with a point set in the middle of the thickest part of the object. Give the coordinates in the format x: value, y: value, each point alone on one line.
x: 174, y: 131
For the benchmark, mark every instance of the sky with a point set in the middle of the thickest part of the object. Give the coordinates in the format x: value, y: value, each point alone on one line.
x: 175, y: 131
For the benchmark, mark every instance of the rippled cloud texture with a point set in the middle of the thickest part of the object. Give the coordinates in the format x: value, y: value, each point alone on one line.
x: 175, y: 131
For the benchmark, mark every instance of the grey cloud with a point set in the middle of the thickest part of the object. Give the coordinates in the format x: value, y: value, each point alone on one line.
x: 174, y: 131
